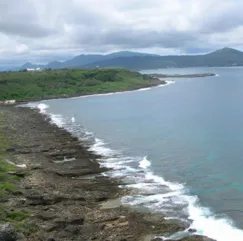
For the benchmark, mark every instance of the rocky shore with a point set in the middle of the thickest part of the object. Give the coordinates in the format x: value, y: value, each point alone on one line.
x: 60, y: 187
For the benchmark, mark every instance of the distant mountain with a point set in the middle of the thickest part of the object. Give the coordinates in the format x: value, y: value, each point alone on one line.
x: 84, y: 59
x: 225, y: 52
x: 222, y: 57
x: 134, y: 60
x: 29, y: 65
x: 54, y: 65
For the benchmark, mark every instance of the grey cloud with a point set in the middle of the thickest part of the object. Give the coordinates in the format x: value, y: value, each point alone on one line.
x: 31, y: 30
x: 223, y: 21
x: 59, y: 29
x: 133, y: 38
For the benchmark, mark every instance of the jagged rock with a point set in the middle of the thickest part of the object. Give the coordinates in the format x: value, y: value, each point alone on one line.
x: 191, y: 230
x: 7, y: 232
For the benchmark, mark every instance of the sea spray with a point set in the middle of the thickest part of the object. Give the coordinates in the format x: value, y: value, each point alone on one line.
x: 144, y: 163
x: 42, y: 107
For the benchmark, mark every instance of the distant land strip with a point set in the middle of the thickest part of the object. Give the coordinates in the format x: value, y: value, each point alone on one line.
x: 182, y: 75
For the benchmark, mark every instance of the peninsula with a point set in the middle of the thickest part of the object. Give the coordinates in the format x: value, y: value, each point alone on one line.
x: 64, y: 83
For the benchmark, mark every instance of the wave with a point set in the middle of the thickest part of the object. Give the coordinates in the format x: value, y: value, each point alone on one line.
x: 144, y: 163
x: 42, y: 107
x: 170, y: 198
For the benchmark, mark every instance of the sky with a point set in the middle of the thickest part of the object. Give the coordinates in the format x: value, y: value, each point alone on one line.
x: 41, y: 31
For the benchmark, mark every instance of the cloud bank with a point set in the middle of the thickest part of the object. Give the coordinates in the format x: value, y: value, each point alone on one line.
x: 44, y: 30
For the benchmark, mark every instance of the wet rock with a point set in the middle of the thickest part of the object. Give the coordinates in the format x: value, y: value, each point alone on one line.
x: 191, y: 230
x: 7, y: 233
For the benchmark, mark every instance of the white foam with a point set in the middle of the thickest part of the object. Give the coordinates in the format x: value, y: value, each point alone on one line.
x: 169, y: 82
x: 100, y: 148
x: 42, y: 107
x: 206, y: 223
x: 73, y: 119
x: 143, y: 89
x: 160, y: 180
x: 57, y: 119
x: 144, y: 163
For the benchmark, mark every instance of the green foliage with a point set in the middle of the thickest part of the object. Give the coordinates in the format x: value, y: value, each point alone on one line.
x: 67, y: 82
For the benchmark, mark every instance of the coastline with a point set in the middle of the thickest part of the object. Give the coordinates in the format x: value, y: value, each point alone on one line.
x: 64, y: 190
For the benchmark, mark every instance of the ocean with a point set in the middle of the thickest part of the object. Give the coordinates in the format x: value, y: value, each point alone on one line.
x: 179, y: 145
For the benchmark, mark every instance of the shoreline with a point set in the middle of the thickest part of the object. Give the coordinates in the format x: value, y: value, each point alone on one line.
x: 62, y: 172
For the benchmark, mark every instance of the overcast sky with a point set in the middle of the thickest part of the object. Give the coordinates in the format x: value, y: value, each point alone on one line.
x: 44, y: 30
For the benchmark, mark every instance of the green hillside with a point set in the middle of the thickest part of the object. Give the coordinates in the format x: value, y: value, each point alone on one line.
x: 63, y: 83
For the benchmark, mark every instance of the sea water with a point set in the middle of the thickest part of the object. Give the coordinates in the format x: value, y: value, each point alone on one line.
x: 179, y: 145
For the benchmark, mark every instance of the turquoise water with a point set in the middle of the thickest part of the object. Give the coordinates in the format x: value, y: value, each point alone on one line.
x: 191, y: 133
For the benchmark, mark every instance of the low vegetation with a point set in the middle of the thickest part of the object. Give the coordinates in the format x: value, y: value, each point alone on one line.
x: 25, y: 85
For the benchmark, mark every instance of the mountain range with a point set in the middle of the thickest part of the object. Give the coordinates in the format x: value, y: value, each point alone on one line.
x: 134, y: 60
